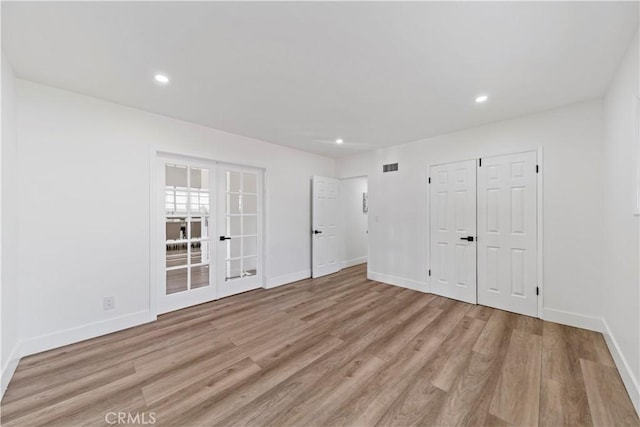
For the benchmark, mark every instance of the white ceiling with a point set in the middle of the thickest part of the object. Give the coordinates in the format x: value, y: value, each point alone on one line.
x: 302, y: 74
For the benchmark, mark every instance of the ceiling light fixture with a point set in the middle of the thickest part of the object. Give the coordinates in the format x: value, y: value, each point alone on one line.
x: 339, y: 141
x: 482, y: 98
x: 161, y: 79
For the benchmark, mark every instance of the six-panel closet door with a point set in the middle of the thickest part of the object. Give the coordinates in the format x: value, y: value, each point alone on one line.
x: 483, y: 231
x: 453, y: 230
x: 507, y: 233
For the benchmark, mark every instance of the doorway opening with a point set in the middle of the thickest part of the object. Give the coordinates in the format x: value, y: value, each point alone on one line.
x: 354, y: 205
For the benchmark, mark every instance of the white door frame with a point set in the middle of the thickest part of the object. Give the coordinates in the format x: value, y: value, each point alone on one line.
x: 540, y: 220
x: 156, y: 260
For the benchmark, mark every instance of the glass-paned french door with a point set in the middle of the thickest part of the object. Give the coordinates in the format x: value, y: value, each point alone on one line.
x: 187, y: 219
x: 240, y: 221
x: 210, y: 233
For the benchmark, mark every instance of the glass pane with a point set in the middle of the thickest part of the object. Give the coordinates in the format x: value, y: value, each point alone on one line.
x: 249, y: 266
x: 233, y: 226
x: 198, y: 228
x: 234, y: 250
x: 249, y: 204
x: 249, y: 183
x: 199, y: 201
x: 175, y: 200
x: 233, y: 181
x: 176, y: 281
x: 199, y: 276
x: 233, y: 269
x: 233, y: 203
x: 176, y: 254
x: 175, y: 175
x: 175, y: 229
x: 250, y: 224
x: 249, y: 246
x: 200, y: 252
x: 199, y: 178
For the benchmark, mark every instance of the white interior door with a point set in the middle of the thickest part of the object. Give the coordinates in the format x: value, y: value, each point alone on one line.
x: 453, y: 230
x: 240, y: 229
x: 324, y: 222
x: 507, y: 235
x: 185, y: 204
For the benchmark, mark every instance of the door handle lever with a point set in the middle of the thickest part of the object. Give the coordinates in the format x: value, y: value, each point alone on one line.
x: 468, y: 238
x: 317, y: 231
x: 223, y: 238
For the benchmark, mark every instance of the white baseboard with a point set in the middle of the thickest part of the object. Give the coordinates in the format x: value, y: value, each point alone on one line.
x: 9, y: 368
x: 630, y: 381
x: 397, y: 281
x: 46, y: 342
x: 573, y: 319
x: 274, y: 282
x: 355, y: 261
x: 80, y: 333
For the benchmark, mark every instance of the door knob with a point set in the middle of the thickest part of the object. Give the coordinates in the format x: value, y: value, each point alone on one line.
x: 317, y: 231
x: 223, y: 238
x: 468, y: 238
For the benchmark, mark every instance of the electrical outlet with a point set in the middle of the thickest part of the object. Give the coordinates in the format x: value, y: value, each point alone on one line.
x: 109, y: 303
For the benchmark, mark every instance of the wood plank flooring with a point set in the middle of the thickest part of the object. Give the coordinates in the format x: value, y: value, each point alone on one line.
x: 339, y: 350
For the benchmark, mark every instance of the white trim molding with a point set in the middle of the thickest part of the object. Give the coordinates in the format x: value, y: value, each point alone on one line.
x: 355, y: 261
x: 9, y: 368
x: 274, y: 282
x: 58, y: 339
x: 398, y: 281
x: 630, y: 381
x: 81, y: 333
x: 569, y: 318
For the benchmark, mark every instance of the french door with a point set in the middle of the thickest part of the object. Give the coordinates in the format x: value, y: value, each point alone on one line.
x: 240, y: 229
x: 210, y: 231
x: 483, y: 231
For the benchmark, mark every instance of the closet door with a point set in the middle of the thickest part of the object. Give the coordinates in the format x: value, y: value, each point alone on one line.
x: 453, y: 230
x: 507, y: 233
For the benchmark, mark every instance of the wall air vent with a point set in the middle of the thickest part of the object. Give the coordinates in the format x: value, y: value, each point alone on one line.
x: 391, y: 167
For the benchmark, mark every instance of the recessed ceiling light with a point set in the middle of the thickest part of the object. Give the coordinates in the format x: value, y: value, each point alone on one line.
x: 339, y: 141
x: 482, y: 98
x: 161, y: 79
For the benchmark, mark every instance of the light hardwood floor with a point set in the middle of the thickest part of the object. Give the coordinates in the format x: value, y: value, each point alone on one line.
x: 340, y: 350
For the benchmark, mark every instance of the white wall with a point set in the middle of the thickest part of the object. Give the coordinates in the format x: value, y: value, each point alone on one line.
x: 621, y: 284
x: 84, y: 211
x: 572, y: 172
x: 354, y: 221
x: 9, y: 228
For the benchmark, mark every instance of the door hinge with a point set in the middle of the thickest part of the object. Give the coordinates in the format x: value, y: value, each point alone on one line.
x: 429, y: 273
x: 537, y: 290
x: 429, y: 180
x: 479, y: 162
x: 537, y: 168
